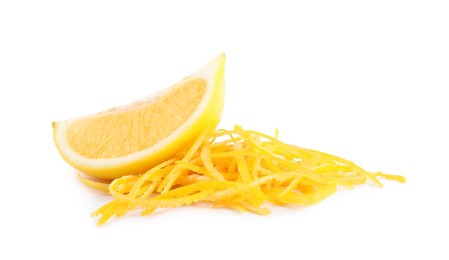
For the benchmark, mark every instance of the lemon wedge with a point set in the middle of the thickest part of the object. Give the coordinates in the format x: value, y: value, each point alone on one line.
x: 133, y: 138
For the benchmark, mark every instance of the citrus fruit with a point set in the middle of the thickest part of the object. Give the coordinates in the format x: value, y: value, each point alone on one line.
x: 133, y: 138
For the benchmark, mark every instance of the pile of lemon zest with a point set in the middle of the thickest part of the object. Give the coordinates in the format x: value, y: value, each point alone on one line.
x: 237, y: 169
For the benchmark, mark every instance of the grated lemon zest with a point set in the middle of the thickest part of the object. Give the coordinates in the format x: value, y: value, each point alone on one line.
x: 237, y: 169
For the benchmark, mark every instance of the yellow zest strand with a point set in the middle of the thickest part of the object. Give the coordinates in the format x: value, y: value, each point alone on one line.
x: 391, y: 177
x: 171, y: 178
x: 205, y: 157
x: 193, y: 168
x: 290, y: 187
x: 237, y: 169
x: 243, y: 169
x: 148, y: 176
x: 94, y: 184
x: 255, y: 166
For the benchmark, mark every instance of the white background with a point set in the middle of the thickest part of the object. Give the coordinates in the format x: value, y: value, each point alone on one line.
x: 364, y: 80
